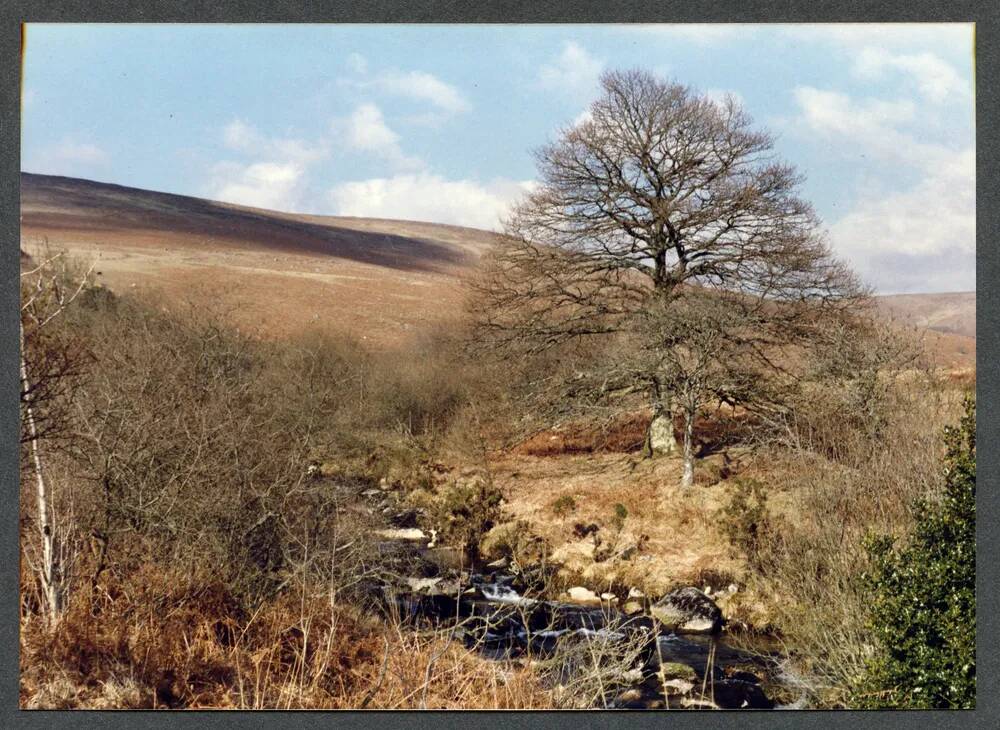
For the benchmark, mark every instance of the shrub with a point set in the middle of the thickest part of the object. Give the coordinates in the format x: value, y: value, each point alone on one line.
x: 745, y: 520
x: 564, y: 505
x: 515, y: 541
x: 464, y: 510
x: 618, y: 520
x: 923, y: 596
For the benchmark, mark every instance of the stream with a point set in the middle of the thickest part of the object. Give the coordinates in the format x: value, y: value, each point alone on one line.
x: 596, y: 651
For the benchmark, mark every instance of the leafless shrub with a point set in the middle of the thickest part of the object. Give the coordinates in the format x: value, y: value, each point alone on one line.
x: 589, y: 669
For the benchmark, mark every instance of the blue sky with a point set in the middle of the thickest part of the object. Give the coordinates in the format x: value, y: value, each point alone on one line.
x: 438, y: 122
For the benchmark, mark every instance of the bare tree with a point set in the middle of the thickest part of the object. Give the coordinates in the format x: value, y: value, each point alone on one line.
x: 661, y: 194
x: 46, y: 291
x: 697, y: 345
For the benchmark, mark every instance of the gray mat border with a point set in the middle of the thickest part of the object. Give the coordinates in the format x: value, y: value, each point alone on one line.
x: 985, y: 14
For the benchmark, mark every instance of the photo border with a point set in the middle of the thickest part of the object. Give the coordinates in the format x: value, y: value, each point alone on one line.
x: 984, y: 14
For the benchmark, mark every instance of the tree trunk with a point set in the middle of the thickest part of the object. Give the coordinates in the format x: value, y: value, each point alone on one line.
x: 688, y: 478
x: 49, y: 573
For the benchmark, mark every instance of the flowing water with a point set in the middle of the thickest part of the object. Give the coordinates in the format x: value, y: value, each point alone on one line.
x: 491, y: 617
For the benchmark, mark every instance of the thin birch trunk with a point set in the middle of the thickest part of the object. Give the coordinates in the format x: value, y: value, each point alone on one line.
x: 49, y: 575
x: 688, y: 478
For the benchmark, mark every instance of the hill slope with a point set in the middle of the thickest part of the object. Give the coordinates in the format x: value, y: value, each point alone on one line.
x: 279, y: 272
x: 951, y: 313
x: 282, y: 273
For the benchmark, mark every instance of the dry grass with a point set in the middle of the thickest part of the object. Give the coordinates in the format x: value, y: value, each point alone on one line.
x: 674, y: 531
x: 820, y: 513
x: 177, y: 641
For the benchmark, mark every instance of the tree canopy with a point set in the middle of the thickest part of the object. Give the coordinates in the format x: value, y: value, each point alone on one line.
x: 661, y: 195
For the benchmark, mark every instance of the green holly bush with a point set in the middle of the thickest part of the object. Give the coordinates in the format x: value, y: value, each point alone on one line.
x: 923, y: 596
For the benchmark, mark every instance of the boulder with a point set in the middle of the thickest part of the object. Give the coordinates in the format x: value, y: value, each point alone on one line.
x: 688, y: 610
x: 425, y: 585
x: 676, y: 670
x: 579, y: 594
x: 632, y: 607
x: 411, y: 533
x: 737, y: 694
x: 660, y: 438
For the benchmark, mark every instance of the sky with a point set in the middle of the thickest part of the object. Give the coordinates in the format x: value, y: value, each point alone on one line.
x: 438, y: 122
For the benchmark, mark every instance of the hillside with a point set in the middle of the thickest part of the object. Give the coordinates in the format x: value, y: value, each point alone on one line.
x: 282, y: 273
x: 949, y: 320
x: 953, y: 313
x: 277, y: 272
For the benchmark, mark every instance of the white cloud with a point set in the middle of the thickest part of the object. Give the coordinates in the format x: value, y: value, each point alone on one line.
x: 238, y: 135
x: 274, y: 185
x: 935, y: 79
x: 275, y: 171
x: 832, y: 111
x: 573, y: 71
x: 366, y: 131
x: 422, y: 87
x: 69, y: 156
x: 868, y: 126
x: 245, y: 138
x: 921, y: 239
x: 429, y: 197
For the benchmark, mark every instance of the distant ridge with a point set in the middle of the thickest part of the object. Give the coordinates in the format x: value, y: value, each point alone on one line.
x: 285, y: 273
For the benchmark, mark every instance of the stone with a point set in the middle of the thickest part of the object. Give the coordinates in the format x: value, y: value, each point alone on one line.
x: 632, y: 676
x: 630, y: 695
x: 632, y: 607
x: 411, y: 533
x: 676, y: 670
x: 678, y: 686
x: 688, y: 610
x: 579, y: 594
x: 737, y: 694
x: 660, y: 439
x: 421, y: 584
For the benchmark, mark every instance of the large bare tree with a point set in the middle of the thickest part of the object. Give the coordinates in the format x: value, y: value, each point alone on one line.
x: 661, y: 194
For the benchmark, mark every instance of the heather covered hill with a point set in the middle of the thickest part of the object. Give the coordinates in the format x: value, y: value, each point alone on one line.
x: 275, y: 272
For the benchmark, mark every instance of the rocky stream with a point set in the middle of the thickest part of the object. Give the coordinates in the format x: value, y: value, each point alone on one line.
x: 672, y: 652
